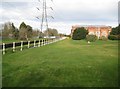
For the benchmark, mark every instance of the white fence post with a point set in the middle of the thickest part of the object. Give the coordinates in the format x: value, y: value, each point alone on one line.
x: 13, y: 46
x: 42, y: 42
x: 53, y: 40
x: 34, y: 42
x: 21, y: 45
x: 28, y: 44
x: 3, y: 48
x: 39, y: 44
x: 45, y: 42
x: 48, y: 41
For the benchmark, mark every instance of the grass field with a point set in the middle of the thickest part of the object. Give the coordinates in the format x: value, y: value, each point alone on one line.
x: 14, y: 40
x: 66, y: 63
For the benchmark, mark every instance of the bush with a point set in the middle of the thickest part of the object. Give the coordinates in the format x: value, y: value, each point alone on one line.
x: 79, y: 33
x: 114, y: 37
x: 103, y: 38
x: 115, y: 31
x: 91, y: 38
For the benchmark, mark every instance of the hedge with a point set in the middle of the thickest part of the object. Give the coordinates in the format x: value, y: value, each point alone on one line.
x: 91, y: 38
x: 114, y: 37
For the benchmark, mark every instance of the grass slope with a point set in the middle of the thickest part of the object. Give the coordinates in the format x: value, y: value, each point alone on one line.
x: 65, y: 63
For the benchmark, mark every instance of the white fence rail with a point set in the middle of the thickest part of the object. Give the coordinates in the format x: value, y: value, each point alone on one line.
x: 29, y: 44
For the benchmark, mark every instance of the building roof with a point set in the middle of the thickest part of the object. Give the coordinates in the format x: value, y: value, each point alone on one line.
x: 91, y: 26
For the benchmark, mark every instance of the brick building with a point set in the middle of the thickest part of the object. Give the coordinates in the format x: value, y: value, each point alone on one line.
x: 98, y: 30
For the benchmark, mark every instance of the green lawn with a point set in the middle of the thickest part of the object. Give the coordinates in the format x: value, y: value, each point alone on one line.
x: 66, y: 63
x: 14, y: 40
x: 9, y: 41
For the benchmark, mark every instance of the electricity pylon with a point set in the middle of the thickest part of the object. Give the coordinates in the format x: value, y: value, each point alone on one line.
x: 44, y: 16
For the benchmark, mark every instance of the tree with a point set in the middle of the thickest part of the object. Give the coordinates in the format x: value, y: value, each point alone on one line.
x: 35, y: 33
x: 9, y: 31
x: 1, y: 29
x: 22, y: 25
x: 115, y: 31
x: 79, y: 33
x: 5, y: 31
x: 61, y: 35
x: 25, y: 31
x: 14, y: 32
x: 55, y: 32
x: 29, y: 31
x: 51, y: 32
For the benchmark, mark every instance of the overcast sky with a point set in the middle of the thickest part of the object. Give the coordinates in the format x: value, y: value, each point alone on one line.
x: 66, y: 13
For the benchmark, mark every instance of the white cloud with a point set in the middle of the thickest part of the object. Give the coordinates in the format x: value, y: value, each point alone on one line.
x: 66, y: 13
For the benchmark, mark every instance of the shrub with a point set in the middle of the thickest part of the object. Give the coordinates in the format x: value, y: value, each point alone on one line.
x: 91, y: 38
x: 79, y: 33
x: 114, y: 37
x: 103, y: 38
x: 115, y: 31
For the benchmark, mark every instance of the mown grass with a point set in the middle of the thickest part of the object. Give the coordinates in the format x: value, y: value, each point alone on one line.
x: 9, y: 40
x: 15, y: 40
x: 67, y: 63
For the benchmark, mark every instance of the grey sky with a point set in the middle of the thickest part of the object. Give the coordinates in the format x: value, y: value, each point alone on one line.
x: 66, y: 13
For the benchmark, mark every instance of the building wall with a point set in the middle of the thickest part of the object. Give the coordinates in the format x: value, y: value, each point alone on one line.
x: 99, y: 31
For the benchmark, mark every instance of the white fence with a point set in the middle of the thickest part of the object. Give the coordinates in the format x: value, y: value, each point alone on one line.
x: 29, y: 44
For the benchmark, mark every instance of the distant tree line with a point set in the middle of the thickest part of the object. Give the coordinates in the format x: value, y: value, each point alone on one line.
x: 24, y: 32
x: 51, y: 32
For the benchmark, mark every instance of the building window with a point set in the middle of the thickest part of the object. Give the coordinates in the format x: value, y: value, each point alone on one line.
x: 104, y: 34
